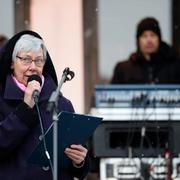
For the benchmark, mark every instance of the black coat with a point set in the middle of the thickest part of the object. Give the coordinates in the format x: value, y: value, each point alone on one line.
x: 162, y: 68
x: 20, y: 131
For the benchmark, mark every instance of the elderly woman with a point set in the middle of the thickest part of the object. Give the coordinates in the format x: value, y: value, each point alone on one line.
x: 24, y: 55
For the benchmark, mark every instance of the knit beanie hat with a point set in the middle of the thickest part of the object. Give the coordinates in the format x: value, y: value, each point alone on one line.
x: 148, y: 23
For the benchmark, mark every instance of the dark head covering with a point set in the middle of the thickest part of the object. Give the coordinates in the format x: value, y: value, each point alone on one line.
x: 6, y: 58
x: 148, y: 23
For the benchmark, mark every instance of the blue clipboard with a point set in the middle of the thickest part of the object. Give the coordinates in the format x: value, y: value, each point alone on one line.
x: 72, y: 129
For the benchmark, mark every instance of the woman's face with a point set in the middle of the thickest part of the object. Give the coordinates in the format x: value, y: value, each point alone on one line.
x: 26, y: 64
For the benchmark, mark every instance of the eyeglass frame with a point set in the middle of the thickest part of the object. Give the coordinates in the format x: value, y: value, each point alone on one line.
x: 25, y: 59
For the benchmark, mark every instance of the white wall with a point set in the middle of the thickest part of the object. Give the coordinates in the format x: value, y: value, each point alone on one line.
x: 59, y: 22
x: 7, y: 17
x: 117, y: 28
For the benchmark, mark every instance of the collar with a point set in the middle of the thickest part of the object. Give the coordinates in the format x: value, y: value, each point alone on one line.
x: 22, y: 86
x: 13, y: 92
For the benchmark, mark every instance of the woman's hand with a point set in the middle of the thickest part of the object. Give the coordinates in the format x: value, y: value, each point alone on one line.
x: 28, y: 94
x: 77, y: 153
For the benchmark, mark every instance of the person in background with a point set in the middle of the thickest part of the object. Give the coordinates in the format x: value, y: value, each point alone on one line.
x: 3, y: 40
x: 25, y: 55
x: 154, y: 61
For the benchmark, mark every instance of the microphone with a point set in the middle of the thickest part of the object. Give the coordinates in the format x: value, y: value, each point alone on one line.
x: 35, y: 95
x: 37, y: 78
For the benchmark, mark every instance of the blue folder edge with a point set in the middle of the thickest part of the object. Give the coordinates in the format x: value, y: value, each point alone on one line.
x: 72, y: 129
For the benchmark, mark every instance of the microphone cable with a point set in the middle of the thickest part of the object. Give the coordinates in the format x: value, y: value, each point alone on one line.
x: 43, y: 138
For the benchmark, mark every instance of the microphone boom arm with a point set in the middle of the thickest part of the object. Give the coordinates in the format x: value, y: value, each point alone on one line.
x: 52, y: 103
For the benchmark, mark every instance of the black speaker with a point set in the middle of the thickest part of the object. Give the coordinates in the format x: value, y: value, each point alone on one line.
x: 136, y: 138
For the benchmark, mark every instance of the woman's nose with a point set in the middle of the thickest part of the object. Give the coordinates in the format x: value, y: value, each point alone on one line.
x: 32, y: 65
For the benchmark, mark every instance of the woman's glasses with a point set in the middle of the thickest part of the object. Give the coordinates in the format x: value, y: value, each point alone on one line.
x: 28, y: 60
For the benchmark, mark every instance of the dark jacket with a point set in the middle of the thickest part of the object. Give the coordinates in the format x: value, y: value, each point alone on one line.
x: 162, y: 68
x: 20, y: 130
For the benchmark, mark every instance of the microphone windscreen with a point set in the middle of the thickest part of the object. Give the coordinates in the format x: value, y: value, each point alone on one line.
x: 72, y: 74
x: 36, y: 78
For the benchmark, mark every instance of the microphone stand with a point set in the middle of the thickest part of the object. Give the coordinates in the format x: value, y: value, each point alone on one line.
x: 52, y: 106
